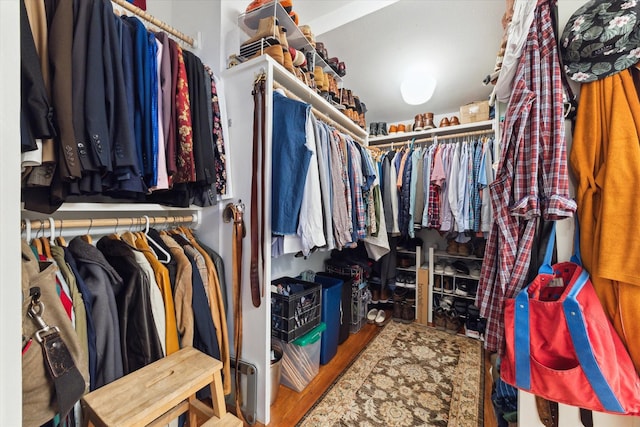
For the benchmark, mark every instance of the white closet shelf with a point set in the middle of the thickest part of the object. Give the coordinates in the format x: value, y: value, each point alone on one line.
x: 443, y: 131
x: 123, y: 207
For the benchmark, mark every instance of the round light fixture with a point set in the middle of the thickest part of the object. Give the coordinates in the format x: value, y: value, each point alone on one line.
x: 417, y: 87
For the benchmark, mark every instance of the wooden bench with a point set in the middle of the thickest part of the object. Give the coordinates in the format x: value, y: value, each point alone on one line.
x: 160, y: 392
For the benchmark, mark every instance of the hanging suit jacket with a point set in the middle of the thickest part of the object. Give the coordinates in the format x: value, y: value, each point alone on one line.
x: 126, y: 176
x: 138, y: 337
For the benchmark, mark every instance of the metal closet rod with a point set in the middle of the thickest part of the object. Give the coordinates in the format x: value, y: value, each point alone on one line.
x: 155, y: 21
x: 320, y: 115
x: 120, y: 223
x: 440, y: 137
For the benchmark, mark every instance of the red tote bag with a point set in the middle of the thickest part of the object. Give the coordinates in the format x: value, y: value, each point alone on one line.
x: 560, y: 344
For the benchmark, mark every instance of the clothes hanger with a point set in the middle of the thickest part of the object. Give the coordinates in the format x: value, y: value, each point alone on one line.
x: 167, y: 256
x: 36, y: 243
x: 87, y: 237
x: 46, y: 243
x: 27, y: 230
x: 60, y: 240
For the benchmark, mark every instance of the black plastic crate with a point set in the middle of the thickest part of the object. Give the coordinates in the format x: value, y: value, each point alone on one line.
x: 295, y: 314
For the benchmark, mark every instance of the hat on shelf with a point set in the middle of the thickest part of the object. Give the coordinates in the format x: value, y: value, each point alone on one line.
x: 601, y: 39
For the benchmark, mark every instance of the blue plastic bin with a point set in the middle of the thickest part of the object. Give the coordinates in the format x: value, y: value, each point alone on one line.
x: 331, y: 296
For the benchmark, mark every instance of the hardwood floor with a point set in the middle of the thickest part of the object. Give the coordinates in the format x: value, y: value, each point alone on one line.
x: 290, y: 406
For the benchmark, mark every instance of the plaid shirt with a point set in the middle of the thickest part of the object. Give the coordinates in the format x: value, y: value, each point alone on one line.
x: 533, y: 147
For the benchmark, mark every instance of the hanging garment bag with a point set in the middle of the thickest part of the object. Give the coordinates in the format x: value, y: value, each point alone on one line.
x: 560, y: 345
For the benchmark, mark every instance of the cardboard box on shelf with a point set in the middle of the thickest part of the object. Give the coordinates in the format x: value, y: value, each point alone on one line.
x: 422, y: 296
x: 474, y: 112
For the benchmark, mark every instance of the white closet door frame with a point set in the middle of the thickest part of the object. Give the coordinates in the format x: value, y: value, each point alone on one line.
x: 10, y: 288
x: 256, y: 342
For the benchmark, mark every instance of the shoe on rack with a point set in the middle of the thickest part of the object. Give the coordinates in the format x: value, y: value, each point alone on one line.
x: 478, y: 248
x: 381, y: 318
x: 418, y: 123
x: 382, y: 128
x: 276, y: 53
x: 282, y: 35
x: 428, y: 121
x: 475, y: 270
x: 371, y: 315
x: 452, y: 247
x: 462, y: 289
x: 410, y: 281
x: 288, y: 61
x: 398, y: 301
x: 444, y: 122
x: 463, y: 249
x: 375, y: 296
x: 453, y: 121
x: 409, y: 310
x: 452, y: 322
x: 448, y: 285
x: 393, y: 129
x: 440, y: 318
x: 446, y: 303
x: 449, y: 270
x: 438, y: 267
x: 373, y: 129
x: 460, y: 307
x: 267, y: 28
x: 460, y: 267
x: 384, y: 295
x: 437, y: 286
x: 401, y: 128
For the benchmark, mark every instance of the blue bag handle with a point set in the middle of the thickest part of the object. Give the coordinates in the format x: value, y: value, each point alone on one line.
x: 577, y: 329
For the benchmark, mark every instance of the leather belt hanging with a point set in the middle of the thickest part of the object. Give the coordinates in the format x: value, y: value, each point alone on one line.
x: 235, y: 212
x: 257, y: 179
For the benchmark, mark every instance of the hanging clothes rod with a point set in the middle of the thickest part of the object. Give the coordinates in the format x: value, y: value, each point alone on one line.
x: 119, y: 224
x: 320, y: 115
x: 442, y: 137
x: 155, y: 21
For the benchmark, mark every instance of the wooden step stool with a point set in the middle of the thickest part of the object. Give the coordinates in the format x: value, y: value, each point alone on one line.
x: 160, y: 392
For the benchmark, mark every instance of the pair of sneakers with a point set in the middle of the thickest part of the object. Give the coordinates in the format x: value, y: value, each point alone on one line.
x: 379, y: 317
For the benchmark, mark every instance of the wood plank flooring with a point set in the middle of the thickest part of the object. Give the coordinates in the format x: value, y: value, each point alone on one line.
x: 290, y: 406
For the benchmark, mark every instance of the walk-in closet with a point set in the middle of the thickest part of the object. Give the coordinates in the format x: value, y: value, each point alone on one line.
x: 313, y: 213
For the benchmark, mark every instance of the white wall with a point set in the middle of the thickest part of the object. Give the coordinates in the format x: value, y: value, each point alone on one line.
x: 10, y: 295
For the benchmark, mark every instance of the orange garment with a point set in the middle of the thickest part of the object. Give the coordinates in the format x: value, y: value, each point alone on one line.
x: 403, y: 161
x: 162, y: 277
x: 605, y: 157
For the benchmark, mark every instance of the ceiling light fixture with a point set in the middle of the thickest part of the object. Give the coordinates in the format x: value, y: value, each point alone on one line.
x: 418, y: 86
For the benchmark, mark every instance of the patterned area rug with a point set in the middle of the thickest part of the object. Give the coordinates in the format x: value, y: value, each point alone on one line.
x: 409, y: 375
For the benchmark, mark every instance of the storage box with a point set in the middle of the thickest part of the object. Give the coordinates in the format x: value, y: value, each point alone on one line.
x: 474, y: 112
x: 296, y: 313
x: 422, y: 297
x: 301, y: 359
x: 345, y: 305
x: 331, y: 294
